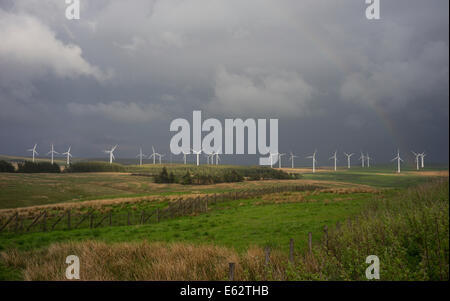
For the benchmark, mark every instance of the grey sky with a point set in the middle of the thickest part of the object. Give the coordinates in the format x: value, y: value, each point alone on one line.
x: 120, y: 74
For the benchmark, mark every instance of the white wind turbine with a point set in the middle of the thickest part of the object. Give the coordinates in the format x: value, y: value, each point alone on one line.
x: 209, y: 158
x: 368, y: 159
x: 271, y: 158
x: 335, y: 160
x: 185, y: 157
x: 111, y: 154
x: 68, y: 155
x: 292, y: 159
x: 140, y: 156
x: 52, y: 152
x: 398, y: 160
x: 314, y: 161
x: 153, y: 155
x: 417, y: 159
x: 198, y: 155
x: 279, y: 159
x: 33, y: 150
x: 422, y: 156
x: 160, y: 157
x: 348, y: 158
x: 362, y: 159
x: 217, y: 157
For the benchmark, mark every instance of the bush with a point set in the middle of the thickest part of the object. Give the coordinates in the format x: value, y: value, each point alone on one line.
x: 233, y: 176
x: 186, y: 179
x: 95, y: 167
x: 6, y: 167
x: 38, y: 167
x: 165, y: 177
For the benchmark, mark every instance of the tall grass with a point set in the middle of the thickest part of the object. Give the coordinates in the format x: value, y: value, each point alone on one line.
x: 409, y: 232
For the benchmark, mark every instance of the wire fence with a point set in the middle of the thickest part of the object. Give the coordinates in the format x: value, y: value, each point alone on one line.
x: 46, y: 221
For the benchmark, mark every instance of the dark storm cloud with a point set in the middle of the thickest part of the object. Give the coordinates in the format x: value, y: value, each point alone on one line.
x: 127, y: 68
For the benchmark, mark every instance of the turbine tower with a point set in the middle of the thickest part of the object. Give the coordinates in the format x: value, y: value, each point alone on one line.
x: 111, y: 154
x: 153, y: 155
x: 140, y: 156
x: 334, y: 157
x: 52, y: 152
x: 33, y: 150
x: 184, y: 157
x: 422, y: 156
x: 417, y: 159
x: 368, y: 160
x: 314, y: 161
x: 362, y: 159
x: 292, y: 159
x: 279, y: 159
x: 398, y: 160
x: 68, y: 155
x: 198, y: 155
x: 348, y: 159
x: 271, y: 158
x: 217, y: 157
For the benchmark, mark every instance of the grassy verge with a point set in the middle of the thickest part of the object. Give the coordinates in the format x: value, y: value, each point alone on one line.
x: 407, y: 230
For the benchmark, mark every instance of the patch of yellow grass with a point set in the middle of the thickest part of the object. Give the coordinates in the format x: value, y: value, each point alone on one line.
x: 144, y: 261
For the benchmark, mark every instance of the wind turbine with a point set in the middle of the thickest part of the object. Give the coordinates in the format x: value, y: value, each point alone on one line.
x: 314, y: 161
x: 279, y: 159
x: 292, y: 159
x: 198, y: 155
x: 140, y: 156
x: 160, y: 156
x: 417, y: 159
x: 335, y: 160
x: 362, y: 158
x: 398, y: 160
x: 422, y: 156
x: 184, y: 157
x: 52, y: 152
x: 68, y: 155
x: 217, y: 157
x: 153, y: 155
x: 368, y: 160
x: 33, y: 150
x: 271, y: 158
x: 111, y: 154
x: 348, y: 158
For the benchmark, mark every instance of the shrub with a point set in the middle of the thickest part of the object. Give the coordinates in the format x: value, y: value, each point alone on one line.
x: 95, y: 167
x: 38, y: 167
x: 165, y: 177
x: 186, y: 179
x: 6, y: 167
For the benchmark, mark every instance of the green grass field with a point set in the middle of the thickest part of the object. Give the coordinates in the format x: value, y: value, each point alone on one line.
x: 238, y: 225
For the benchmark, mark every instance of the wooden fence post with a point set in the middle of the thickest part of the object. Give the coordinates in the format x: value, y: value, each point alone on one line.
x: 291, y: 251
x: 128, y: 218
x: 110, y: 218
x: 68, y: 219
x: 267, y: 253
x: 157, y: 215
x: 325, y: 229
x: 44, y: 222
x: 91, y: 220
x: 142, y: 216
x: 310, y: 242
x: 231, y: 271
